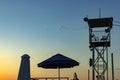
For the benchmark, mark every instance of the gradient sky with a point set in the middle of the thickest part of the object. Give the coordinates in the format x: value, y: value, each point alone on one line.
x: 42, y: 28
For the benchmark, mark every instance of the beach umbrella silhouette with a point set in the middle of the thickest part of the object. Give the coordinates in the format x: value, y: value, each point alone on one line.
x: 58, y: 61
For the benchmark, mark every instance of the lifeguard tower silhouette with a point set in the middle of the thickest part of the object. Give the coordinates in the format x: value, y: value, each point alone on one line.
x: 99, y: 40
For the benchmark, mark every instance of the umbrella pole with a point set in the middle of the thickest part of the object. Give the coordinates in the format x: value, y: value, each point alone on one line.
x: 58, y: 73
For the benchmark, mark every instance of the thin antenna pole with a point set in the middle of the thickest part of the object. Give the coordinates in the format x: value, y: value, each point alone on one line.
x: 88, y: 74
x: 99, y: 13
x: 112, y: 61
x: 58, y: 73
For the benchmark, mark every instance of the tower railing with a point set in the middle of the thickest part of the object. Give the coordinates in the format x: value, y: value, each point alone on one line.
x: 100, y: 36
x: 50, y: 78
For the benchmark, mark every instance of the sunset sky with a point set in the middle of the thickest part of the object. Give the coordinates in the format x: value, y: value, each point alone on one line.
x: 42, y: 28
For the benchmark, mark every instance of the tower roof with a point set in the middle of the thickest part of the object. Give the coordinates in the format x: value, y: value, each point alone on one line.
x: 99, y: 22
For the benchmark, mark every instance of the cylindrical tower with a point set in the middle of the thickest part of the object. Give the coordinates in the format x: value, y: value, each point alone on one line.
x: 24, y: 70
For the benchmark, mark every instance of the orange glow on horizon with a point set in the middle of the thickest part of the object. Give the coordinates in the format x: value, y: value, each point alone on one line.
x: 8, y: 67
x: 7, y: 76
x: 7, y: 73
